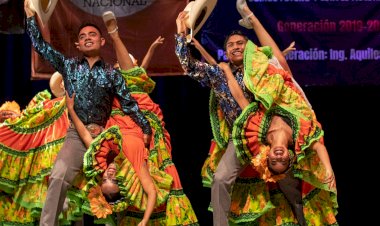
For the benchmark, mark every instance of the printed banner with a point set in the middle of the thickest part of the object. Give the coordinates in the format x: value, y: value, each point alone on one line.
x: 337, y: 41
x: 140, y: 22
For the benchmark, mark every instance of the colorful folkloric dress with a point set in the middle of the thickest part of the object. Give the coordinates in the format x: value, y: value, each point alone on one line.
x: 254, y: 197
x: 29, y: 145
x: 172, y: 207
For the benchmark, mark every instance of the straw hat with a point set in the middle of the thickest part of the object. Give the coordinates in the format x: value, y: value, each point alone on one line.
x: 56, y: 84
x: 43, y: 8
x: 199, y: 11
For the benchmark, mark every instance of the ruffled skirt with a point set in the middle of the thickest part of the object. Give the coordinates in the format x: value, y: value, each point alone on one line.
x: 29, y: 145
x: 177, y: 210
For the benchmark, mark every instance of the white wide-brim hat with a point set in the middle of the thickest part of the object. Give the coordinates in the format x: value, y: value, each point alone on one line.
x: 199, y: 11
x: 44, y: 9
x: 56, y: 84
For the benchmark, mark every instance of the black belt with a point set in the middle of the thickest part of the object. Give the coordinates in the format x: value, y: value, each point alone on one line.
x: 93, y: 128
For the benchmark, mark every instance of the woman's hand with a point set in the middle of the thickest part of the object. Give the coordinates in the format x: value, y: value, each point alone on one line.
x: 157, y: 42
x: 70, y: 101
x: 330, y: 179
x: 147, y: 139
x: 143, y: 223
x: 289, y: 49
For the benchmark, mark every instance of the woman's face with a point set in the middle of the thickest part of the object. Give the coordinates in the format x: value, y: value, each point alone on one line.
x: 6, y: 114
x: 278, y: 159
x: 109, y: 183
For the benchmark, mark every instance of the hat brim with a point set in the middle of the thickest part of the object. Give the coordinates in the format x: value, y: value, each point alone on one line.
x: 55, y: 84
x: 44, y: 9
x: 199, y: 11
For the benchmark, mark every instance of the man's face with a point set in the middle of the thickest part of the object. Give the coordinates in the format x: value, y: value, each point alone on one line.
x: 235, y: 49
x: 90, y: 41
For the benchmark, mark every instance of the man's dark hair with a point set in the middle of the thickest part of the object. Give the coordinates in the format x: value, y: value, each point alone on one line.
x: 234, y: 32
x: 89, y: 24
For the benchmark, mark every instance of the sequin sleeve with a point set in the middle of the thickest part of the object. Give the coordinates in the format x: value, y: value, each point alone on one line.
x: 42, y: 47
x: 128, y: 104
x: 200, y: 71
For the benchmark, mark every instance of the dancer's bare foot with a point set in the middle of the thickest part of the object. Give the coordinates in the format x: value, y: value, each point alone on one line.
x: 109, y: 19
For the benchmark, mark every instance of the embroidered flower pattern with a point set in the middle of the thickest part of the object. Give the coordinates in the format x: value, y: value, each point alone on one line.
x: 99, y: 206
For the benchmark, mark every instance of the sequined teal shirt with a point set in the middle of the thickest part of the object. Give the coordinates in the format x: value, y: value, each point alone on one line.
x: 213, y: 77
x: 94, y: 87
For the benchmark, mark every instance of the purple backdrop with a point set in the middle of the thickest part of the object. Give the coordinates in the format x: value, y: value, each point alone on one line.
x: 338, y: 42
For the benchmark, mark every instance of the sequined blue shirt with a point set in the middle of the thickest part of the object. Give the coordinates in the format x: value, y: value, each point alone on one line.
x: 94, y: 87
x: 213, y: 77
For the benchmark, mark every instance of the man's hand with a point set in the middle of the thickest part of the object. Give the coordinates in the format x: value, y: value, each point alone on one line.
x: 147, y: 139
x: 29, y: 9
x: 180, y: 21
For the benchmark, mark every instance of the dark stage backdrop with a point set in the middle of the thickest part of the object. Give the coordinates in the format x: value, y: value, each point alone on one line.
x: 11, y: 17
x: 344, y: 93
x: 337, y: 41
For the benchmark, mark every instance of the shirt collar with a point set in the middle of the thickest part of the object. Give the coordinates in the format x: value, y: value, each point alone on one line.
x: 235, y: 69
x: 100, y: 62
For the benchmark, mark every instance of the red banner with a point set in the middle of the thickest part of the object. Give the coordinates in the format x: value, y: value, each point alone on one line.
x: 140, y: 22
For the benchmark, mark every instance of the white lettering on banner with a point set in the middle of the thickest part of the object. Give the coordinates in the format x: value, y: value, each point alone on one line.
x: 321, y: 55
x: 364, y: 54
x: 119, y: 7
x: 334, y: 54
x: 310, y: 54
